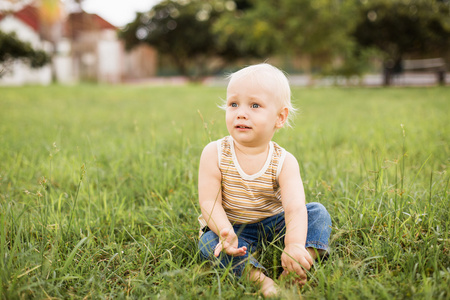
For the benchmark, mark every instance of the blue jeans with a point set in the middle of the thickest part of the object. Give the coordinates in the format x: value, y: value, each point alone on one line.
x: 253, y: 236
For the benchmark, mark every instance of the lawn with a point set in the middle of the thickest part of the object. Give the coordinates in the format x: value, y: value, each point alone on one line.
x: 98, y: 194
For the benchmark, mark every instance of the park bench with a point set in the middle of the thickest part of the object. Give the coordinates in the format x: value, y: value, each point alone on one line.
x: 419, y: 65
x: 431, y: 64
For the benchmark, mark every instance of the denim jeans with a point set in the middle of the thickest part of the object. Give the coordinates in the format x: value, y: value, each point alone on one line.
x: 253, y: 236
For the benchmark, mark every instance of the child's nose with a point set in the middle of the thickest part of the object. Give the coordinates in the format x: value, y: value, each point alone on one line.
x: 242, y: 113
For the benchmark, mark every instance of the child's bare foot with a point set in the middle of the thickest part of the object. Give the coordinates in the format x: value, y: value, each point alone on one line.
x: 268, y: 287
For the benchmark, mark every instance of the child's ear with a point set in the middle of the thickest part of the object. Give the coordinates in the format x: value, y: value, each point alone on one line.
x: 282, y: 117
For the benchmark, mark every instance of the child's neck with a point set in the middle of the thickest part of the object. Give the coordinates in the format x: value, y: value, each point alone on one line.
x: 251, y: 150
x: 251, y: 159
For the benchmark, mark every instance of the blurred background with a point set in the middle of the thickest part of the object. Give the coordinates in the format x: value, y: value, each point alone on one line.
x: 321, y: 42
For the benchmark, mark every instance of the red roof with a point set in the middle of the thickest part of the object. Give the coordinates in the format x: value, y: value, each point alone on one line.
x: 82, y: 21
x: 76, y: 22
x: 28, y: 14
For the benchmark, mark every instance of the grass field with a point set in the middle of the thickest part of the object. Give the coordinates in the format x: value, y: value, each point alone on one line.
x: 98, y: 192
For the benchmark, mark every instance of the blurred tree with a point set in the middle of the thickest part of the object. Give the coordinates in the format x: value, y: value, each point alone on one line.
x: 50, y: 11
x: 50, y: 16
x: 183, y: 31
x: 338, y: 36
x: 247, y: 28
x: 319, y: 29
x: 12, y: 48
x: 51, y: 23
x: 401, y: 28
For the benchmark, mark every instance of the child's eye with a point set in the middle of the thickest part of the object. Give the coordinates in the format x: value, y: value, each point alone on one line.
x: 233, y: 104
x: 254, y: 105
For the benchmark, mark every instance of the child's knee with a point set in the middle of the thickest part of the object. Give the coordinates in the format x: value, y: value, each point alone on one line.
x: 319, y: 213
x: 207, y: 244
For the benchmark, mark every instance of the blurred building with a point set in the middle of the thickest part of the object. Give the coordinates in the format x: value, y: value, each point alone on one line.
x: 25, y: 23
x: 84, y: 47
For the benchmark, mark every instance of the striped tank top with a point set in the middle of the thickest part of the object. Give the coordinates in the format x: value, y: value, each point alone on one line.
x: 247, y: 198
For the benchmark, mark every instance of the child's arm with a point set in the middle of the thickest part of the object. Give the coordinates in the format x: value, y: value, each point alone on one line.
x: 210, y: 198
x: 295, y: 256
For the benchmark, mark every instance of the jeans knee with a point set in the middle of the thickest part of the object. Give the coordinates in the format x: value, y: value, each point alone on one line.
x: 207, y: 244
x: 203, y: 250
x: 319, y: 212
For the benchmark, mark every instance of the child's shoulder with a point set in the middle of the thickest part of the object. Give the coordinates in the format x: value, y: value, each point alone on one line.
x: 211, y: 150
x: 279, y: 151
x: 209, y: 155
x: 215, y: 149
x: 211, y: 147
x: 214, y: 146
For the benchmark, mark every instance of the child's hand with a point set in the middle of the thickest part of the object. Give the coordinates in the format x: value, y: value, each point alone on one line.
x: 229, y: 244
x: 294, y: 257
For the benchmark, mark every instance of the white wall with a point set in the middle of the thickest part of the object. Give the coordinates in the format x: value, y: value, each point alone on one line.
x: 19, y: 73
x: 109, y: 55
x: 22, y: 30
x: 63, y: 63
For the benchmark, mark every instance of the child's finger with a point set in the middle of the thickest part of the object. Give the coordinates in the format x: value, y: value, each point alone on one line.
x: 236, y: 251
x: 218, y: 249
x: 301, y: 281
x: 309, y: 259
x: 306, y: 263
x: 298, y: 279
x: 297, y: 268
x: 242, y: 251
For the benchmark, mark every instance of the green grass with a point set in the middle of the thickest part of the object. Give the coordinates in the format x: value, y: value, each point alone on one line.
x: 98, y: 192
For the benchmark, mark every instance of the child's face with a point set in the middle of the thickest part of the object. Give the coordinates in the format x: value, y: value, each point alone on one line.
x: 253, y: 113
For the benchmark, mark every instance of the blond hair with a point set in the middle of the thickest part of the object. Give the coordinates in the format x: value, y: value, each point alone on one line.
x: 261, y: 74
